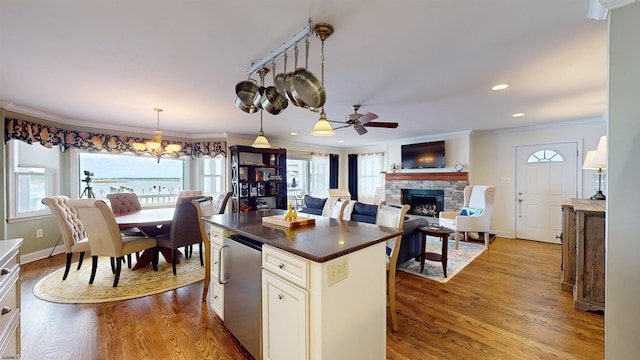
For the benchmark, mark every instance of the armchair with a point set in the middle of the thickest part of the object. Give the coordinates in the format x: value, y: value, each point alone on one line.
x: 474, y: 216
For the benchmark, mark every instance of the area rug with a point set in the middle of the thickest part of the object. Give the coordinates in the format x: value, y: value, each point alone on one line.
x: 132, y: 284
x: 456, y: 260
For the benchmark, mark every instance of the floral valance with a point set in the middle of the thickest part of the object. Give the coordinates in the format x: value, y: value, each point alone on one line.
x: 50, y: 136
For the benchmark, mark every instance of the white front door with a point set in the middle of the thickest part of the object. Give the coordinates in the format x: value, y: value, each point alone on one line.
x: 545, y: 176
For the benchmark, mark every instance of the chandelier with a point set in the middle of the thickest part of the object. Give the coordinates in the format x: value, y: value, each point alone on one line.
x: 154, y: 147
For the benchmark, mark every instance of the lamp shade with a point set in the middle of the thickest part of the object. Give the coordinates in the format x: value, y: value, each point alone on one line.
x: 261, y: 142
x: 589, y: 162
x: 601, y: 152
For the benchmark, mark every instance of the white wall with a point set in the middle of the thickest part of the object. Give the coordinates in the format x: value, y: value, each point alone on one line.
x: 493, y: 162
x: 622, y: 315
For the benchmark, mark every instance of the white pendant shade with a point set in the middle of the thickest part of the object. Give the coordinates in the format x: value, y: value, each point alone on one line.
x: 261, y: 142
x: 322, y: 127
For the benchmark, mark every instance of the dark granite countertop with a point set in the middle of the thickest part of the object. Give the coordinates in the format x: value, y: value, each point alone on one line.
x: 325, y: 240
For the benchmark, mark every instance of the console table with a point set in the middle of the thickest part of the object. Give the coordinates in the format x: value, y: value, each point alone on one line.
x: 583, y: 252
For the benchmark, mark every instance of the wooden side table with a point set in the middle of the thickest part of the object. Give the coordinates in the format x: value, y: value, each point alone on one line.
x: 443, y: 234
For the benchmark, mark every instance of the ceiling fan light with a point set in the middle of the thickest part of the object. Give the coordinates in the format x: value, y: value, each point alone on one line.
x: 323, y: 128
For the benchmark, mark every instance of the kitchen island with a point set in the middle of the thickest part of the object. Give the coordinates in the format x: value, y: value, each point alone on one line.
x: 322, y: 286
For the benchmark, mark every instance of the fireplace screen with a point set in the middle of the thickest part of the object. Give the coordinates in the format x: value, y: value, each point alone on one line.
x: 423, y: 202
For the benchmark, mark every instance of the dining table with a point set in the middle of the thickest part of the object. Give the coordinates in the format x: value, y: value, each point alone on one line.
x: 151, y: 222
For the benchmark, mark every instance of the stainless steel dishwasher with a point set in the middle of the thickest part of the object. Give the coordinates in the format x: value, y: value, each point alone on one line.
x: 242, y: 262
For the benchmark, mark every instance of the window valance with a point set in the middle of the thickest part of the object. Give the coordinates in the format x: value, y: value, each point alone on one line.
x: 49, y: 136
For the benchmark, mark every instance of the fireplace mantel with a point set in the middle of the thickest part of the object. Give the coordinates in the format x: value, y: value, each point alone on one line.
x: 433, y: 176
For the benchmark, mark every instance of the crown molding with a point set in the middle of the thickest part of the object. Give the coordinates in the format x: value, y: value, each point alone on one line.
x: 614, y: 4
x: 8, y: 105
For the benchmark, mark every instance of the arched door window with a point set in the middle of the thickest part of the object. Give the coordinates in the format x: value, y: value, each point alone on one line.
x: 546, y: 155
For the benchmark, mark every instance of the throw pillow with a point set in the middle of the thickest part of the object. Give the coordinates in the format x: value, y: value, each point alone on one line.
x: 466, y: 211
x: 314, y: 202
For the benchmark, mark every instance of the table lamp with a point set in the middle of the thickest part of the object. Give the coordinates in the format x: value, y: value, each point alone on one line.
x: 596, y: 159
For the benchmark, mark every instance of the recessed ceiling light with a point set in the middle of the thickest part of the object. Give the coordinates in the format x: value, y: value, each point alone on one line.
x: 293, y: 134
x: 499, y: 87
x: 340, y: 141
x: 517, y: 115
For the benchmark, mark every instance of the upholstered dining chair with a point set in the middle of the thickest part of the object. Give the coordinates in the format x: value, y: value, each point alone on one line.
x: 124, y: 203
x: 475, y: 216
x: 187, y: 193
x: 338, y: 208
x: 71, y: 228
x: 105, y: 238
x: 204, y: 207
x: 185, y: 229
x: 392, y: 216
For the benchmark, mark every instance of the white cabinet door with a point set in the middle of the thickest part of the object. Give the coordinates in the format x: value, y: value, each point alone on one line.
x: 285, y: 319
x: 217, y: 289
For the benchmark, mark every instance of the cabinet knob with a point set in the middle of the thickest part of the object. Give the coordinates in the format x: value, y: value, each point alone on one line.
x: 5, y: 271
x: 215, y: 297
x: 6, y: 310
x: 280, y: 297
x: 281, y: 266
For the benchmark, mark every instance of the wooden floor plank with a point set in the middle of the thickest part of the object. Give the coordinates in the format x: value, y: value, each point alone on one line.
x: 507, y: 304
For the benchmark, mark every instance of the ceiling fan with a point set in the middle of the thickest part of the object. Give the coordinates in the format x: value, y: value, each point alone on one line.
x: 360, y: 121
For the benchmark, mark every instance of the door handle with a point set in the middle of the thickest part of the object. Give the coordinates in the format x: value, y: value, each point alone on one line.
x: 221, y: 265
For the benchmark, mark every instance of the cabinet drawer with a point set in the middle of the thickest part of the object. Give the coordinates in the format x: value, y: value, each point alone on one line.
x: 9, y: 301
x: 217, y: 299
x: 7, y: 269
x: 288, y: 266
x: 215, y: 260
x: 217, y: 234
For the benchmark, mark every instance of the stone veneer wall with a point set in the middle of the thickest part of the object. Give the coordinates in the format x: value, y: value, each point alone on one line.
x: 453, y: 188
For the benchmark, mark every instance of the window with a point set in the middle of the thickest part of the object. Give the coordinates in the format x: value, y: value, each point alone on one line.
x: 213, y: 175
x: 369, y: 176
x: 155, y: 183
x: 33, y: 175
x: 308, y: 174
x: 545, y: 156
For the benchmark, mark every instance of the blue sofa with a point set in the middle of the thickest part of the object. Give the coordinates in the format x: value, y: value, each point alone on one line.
x: 411, y: 244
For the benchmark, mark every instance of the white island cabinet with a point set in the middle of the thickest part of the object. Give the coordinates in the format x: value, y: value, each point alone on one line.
x: 330, y: 310
x: 321, y: 288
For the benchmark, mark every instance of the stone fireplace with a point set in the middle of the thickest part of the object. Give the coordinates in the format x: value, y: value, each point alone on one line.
x: 449, y: 186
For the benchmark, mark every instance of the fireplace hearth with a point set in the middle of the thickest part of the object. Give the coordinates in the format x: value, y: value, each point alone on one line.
x: 423, y: 202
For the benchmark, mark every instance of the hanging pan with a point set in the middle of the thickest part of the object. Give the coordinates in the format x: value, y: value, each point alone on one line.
x: 245, y: 91
x: 307, y: 89
x: 272, y: 101
x: 288, y: 80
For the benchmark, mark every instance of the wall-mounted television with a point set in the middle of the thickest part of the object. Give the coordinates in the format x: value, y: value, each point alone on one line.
x: 423, y: 155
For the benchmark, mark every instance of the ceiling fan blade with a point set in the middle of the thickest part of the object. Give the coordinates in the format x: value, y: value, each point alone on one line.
x: 368, y: 117
x: 360, y: 129
x: 390, y: 125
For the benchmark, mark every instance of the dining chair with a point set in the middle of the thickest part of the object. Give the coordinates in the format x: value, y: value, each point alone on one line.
x: 187, y: 193
x: 204, y: 207
x: 105, y: 238
x: 392, y: 216
x: 338, y: 208
x: 219, y: 206
x: 71, y: 228
x: 185, y: 229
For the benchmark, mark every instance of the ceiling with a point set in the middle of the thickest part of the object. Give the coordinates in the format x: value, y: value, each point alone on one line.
x: 426, y: 64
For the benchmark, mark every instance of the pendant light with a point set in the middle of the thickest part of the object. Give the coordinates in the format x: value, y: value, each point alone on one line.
x: 322, y: 127
x: 261, y: 141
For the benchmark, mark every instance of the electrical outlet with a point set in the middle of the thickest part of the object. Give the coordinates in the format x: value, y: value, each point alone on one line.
x: 39, y: 233
x: 338, y: 270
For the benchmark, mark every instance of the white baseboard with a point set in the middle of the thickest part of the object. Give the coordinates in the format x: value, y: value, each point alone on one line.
x: 41, y: 254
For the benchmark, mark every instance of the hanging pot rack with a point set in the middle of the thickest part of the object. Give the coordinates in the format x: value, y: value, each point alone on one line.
x: 304, y: 33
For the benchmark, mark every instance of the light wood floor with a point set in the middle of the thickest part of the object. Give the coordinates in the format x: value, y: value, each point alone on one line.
x: 507, y: 304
